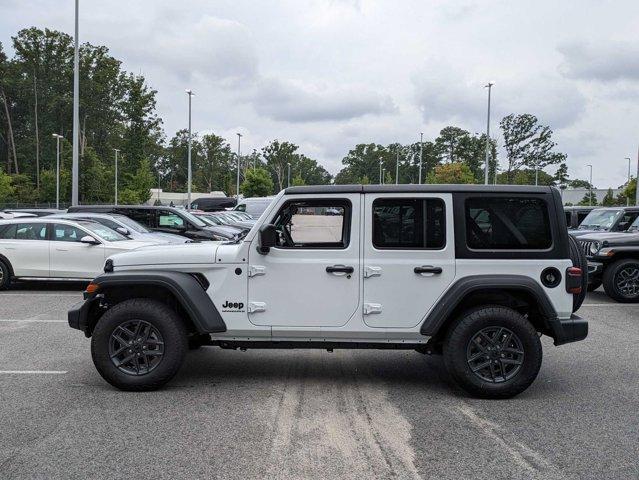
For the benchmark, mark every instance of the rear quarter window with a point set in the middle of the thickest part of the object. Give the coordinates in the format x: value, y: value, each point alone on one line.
x: 507, y: 223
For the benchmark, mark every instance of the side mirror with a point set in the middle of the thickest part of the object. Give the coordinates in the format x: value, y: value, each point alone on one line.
x: 89, y: 240
x: 123, y: 231
x: 268, y: 238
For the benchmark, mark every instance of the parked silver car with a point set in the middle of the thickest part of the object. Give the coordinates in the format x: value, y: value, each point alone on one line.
x: 126, y: 226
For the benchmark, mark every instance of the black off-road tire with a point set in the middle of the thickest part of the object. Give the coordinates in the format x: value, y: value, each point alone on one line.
x: 579, y: 260
x: 5, y: 276
x: 611, y: 277
x: 467, y: 327
x: 164, y: 320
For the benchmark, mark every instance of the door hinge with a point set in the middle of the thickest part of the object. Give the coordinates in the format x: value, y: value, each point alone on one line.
x: 372, y: 272
x: 254, y: 307
x: 255, y: 270
x: 372, y: 308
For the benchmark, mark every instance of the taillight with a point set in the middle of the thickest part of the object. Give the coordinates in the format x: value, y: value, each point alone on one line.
x: 574, y: 277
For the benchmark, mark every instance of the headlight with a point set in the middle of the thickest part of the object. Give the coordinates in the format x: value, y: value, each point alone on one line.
x: 218, y: 238
x: 594, y: 248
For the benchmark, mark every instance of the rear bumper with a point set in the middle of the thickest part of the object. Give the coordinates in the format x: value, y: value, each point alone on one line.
x: 568, y: 331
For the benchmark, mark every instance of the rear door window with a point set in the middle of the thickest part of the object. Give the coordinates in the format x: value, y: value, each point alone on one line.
x: 407, y: 223
x: 503, y: 223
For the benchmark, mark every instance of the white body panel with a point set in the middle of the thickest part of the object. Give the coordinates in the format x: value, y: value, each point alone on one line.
x: 75, y: 260
x: 385, y: 305
x: 29, y: 258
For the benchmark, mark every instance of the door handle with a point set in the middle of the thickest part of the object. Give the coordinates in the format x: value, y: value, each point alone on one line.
x: 339, y: 269
x: 428, y: 269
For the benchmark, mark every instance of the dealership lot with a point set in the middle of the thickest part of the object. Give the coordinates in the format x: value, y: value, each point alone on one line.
x: 311, y: 414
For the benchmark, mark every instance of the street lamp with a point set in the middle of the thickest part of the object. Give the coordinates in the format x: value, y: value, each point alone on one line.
x: 289, y: 174
x: 590, y: 186
x: 383, y: 176
x: 421, y: 151
x: 57, y: 169
x: 76, y: 109
x: 237, y: 188
x: 188, y: 180
x: 397, y: 168
x: 380, y: 171
x: 489, y: 86
x: 116, y: 150
x: 628, y: 184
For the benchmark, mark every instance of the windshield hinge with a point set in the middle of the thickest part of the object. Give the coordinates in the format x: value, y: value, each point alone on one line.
x: 372, y: 308
x: 255, y: 270
x: 254, y: 307
x: 372, y: 272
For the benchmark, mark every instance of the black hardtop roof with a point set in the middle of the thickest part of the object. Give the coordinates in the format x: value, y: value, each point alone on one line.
x: 106, y: 208
x: 415, y: 188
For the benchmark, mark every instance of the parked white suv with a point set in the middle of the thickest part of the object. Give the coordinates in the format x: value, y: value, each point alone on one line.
x: 44, y: 248
x: 476, y: 273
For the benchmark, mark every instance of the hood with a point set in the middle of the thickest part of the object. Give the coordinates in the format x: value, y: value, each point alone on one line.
x: 223, y: 230
x: 162, y: 237
x: 581, y: 233
x: 129, y: 245
x: 168, y: 254
x: 612, y: 238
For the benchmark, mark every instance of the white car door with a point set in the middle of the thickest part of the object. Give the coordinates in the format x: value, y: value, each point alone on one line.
x: 26, y: 247
x: 311, y: 279
x: 71, y: 258
x: 409, y: 256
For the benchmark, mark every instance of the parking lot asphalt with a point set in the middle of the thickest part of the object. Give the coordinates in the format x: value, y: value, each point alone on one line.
x: 311, y: 414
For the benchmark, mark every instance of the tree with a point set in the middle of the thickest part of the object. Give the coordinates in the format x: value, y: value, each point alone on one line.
x: 561, y: 176
x: 609, y: 199
x: 6, y: 190
x: 526, y: 176
x: 277, y: 156
x: 580, y: 184
x: 448, y: 142
x: 589, y: 199
x: 258, y: 183
x: 528, y: 144
x: 23, y: 189
x: 298, y: 181
x: 214, y: 164
x: 451, y: 173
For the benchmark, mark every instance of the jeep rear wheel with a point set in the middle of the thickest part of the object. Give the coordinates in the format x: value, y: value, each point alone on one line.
x: 493, y: 352
x: 621, y: 280
x: 578, y: 260
x: 139, y: 345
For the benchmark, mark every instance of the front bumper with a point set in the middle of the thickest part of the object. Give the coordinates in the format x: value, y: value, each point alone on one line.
x: 595, y: 270
x: 78, y: 315
x: 567, y: 331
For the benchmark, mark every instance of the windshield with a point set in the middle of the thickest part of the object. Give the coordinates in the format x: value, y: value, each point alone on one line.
x: 193, y: 219
x: 213, y: 219
x: 103, y: 232
x: 600, y: 220
x: 206, y: 220
x: 635, y: 226
x: 131, y: 224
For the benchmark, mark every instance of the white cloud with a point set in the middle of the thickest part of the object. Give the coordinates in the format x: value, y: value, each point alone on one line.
x: 603, y: 62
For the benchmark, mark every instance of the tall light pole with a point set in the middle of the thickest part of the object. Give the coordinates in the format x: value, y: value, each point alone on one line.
x: 590, y: 186
x: 188, y: 180
x: 421, y: 154
x: 489, y: 86
x: 628, y: 184
x: 637, y: 179
x: 76, y: 109
x: 57, y: 169
x: 397, y: 169
x: 239, y: 151
x: 380, y: 171
x: 116, y: 150
x: 289, y: 174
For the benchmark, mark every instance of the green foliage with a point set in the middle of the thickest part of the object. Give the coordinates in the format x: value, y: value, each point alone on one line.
x: 298, y: 181
x: 48, y: 186
x: 128, y: 196
x: 528, y: 144
x: 561, y: 176
x: 609, y: 199
x: 580, y: 184
x: 589, y: 199
x: 258, y: 183
x: 364, y: 180
x: 525, y: 177
x: 630, y: 191
x: 6, y: 190
x: 23, y: 189
x: 142, y: 182
x: 451, y: 173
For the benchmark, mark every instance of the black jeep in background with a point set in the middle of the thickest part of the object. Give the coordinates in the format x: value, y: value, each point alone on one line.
x: 607, y: 219
x: 613, y: 260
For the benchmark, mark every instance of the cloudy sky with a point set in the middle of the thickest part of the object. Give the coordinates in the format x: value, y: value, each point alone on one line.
x: 327, y: 74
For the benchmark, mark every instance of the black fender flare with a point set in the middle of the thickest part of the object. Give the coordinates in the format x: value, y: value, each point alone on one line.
x: 189, y: 293
x: 455, y: 295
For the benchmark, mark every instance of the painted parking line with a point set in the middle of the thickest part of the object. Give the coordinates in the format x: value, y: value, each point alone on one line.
x: 32, y: 372
x: 40, y: 294
x: 35, y: 320
x: 633, y: 305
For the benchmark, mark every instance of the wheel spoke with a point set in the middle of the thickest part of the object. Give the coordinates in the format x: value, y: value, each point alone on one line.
x: 125, y: 360
x: 136, y: 347
x: 495, y: 354
x: 119, y: 351
x: 481, y: 366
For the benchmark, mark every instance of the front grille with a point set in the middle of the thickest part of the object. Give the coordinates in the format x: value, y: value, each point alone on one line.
x: 585, y: 247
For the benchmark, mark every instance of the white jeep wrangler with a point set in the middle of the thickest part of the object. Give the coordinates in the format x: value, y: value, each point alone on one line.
x: 474, y: 273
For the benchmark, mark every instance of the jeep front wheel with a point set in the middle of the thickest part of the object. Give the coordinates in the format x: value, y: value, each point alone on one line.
x: 139, y: 345
x: 493, y: 352
x: 621, y: 280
